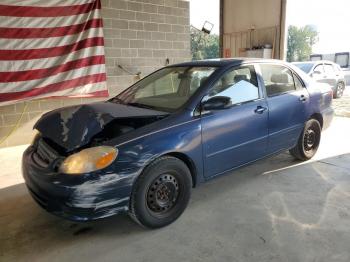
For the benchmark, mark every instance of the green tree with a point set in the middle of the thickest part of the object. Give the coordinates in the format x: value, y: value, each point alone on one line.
x: 300, y: 42
x: 204, y: 46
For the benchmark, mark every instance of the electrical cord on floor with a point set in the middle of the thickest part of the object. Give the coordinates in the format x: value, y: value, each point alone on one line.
x: 16, y: 125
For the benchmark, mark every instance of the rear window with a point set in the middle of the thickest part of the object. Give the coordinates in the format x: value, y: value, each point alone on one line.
x: 306, y: 67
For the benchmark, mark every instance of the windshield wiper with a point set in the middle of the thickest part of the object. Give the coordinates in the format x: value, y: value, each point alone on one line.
x: 140, y: 105
x: 117, y: 100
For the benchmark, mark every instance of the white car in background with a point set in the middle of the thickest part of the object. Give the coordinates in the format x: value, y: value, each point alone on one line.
x: 325, y: 72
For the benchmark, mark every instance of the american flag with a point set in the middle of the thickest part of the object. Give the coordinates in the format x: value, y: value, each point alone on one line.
x: 51, y: 48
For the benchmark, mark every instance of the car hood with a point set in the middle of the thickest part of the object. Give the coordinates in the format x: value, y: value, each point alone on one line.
x: 73, y: 127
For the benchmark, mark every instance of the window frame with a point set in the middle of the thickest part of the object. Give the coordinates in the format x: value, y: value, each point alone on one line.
x: 293, y: 73
x: 260, y: 89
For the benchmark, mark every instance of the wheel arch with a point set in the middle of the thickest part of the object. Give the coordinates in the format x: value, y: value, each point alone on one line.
x: 189, y: 163
x: 318, y: 117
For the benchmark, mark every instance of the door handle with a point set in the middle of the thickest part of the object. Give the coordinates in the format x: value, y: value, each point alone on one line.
x: 260, y: 109
x: 302, y: 98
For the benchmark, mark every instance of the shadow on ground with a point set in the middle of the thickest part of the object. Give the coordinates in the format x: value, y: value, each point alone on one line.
x: 275, y: 210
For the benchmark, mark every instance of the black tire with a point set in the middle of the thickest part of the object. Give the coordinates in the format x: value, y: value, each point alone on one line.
x: 161, y: 193
x: 308, y: 141
x: 339, y: 90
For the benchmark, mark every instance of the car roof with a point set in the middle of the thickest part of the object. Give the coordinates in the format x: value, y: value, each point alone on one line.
x: 314, y: 62
x: 223, y: 62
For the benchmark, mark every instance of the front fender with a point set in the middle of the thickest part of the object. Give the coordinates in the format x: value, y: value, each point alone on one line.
x: 184, y: 138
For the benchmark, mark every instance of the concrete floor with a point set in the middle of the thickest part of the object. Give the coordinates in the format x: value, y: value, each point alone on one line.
x: 275, y: 210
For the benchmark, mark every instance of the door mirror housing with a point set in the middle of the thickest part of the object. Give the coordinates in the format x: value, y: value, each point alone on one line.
x: 316, y: 72
x: 217, y: 103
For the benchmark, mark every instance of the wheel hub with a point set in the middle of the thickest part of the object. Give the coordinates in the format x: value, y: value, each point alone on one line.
x: 309, y: 139
x: 163, y: 193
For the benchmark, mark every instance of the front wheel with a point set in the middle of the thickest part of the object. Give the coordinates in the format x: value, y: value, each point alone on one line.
x: 161, y: 193
x: 308, y: 141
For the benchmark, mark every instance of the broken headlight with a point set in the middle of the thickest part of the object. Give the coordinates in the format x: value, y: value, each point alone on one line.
x: 88, y: 160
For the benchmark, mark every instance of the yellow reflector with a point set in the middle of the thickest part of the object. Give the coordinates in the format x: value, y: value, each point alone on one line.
x: 105, y: 160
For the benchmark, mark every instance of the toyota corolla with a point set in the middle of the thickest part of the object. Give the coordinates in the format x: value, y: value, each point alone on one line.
x: 144, y: 150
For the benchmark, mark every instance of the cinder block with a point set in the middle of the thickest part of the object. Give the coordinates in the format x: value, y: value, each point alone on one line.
x: 149, y: 8
x: 135, y: 25
x: 127, y: 15
x: 120, y: 24
x: 145, y: 53
x: 113, y: 52
x: 164, y: 28
x: 137, y: 43
x: 128, y: 34
x: 121, y: 43
x: 118, y: 4
x: 129, y: 52
x: 144, y: 35
x: 9, y: 109
x: 151, y: 26
x: 153, y: 44
x: 135, y: 6
x: 157, y: 18
x: 143, y: 17
x: 158, y: 36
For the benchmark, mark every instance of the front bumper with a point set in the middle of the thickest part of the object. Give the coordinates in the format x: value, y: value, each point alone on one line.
x: 78, y: 198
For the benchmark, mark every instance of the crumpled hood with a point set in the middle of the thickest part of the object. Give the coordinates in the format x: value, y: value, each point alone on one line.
x: 74, y: 126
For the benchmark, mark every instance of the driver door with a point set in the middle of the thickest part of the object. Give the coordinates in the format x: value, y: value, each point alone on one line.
x: 238, y: 134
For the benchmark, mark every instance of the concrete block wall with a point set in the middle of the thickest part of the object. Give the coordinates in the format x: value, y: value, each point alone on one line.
x: 140, y: 35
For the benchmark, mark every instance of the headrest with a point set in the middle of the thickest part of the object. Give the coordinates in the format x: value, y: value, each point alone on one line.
x: 279, y: 78
x: 240, y: 78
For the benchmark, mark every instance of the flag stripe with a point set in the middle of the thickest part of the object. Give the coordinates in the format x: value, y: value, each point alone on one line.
x: 13, y: 66
x: 18, y: 76
x: 87, y: 91
x: 90, y: 79
x: 22, y: 33
x: 36, y: 43
x: 50, y: 52
x: 39, y: 83
x: 47, y: 11
x: 46, y: 22
x: 16, y: 3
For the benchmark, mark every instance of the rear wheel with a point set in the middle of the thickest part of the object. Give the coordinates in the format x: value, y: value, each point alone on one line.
x: 308, y: 141
x: 340, y: 90
x: 161, y: 193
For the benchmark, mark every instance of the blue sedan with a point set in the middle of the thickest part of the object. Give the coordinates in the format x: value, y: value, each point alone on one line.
x: 143, y: 151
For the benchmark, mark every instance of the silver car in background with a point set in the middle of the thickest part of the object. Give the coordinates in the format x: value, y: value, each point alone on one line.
x: 325, y: 72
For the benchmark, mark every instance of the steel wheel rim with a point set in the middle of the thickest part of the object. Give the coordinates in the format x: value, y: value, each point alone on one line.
x: 163, y: 193
x: 310, y: 140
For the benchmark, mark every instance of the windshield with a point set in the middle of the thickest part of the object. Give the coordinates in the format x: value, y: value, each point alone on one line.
x: 167, y: 89
x: 306, y: 67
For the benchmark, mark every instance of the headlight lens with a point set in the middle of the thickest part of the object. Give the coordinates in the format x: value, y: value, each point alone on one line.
x: 88, y: 160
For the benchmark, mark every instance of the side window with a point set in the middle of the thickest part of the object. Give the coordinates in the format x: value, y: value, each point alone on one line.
x: 240, y: 84
x: 319, y: 68
x: 329, y: 69
x: 278, y: 79
x: 298, y: 84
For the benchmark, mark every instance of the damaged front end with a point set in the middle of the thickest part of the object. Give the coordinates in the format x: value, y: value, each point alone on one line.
x: 78, y: 126
x: 68, y: 170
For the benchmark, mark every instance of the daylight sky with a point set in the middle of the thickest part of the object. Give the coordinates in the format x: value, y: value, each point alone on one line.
x: 331, y: 18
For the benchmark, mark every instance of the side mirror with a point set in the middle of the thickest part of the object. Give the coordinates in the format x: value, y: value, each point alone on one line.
x: 317, y: 72
x: 216, y: 103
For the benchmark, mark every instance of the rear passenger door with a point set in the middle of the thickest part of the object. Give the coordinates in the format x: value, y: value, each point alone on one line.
x: 330, y: 76
x: 287, y: 101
